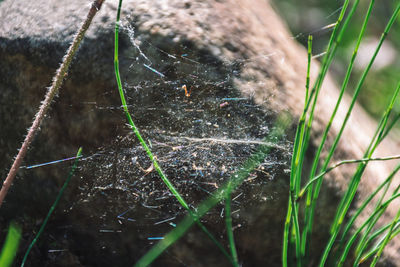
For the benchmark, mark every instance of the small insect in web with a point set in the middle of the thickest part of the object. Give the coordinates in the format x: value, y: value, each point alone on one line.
x: 187, y: 94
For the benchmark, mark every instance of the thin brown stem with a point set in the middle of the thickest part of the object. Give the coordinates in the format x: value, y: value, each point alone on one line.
x: 52, y: 91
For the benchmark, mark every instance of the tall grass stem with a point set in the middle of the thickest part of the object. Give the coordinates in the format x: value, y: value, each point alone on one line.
x: 228, y: 222
x: 153, y: 159
x: 220, y: 194
x: 312, y: 200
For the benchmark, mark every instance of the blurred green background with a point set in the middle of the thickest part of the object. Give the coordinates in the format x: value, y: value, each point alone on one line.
x: 310, y: 16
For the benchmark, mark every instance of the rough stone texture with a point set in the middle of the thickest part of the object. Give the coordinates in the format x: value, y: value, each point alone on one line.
x: 218, y: 49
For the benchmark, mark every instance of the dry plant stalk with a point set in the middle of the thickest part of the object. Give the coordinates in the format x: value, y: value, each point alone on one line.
x: 58, y: 78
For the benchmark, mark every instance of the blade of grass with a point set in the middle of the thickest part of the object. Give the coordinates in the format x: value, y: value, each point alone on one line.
x: 362, y: 244
x: 292, y: 185
x: 296, y: 232
x: 385, y: 184
x: 292, y: 213
x: 349, y: 195
x: 374, y: 250
x: 313, y: 195
x: 309, y: 56
x: 335, y: 40
x: 303, y: 145
x: 352, y: 161
x: 386, y: 240
x: 295, y: 175
x: 301, y: 142
x: 304, y: 252
x: 359, y: 210
x: 372, y: 217
x: 285, y: 245
x: 164, y: 178
x: 236, y: 180
x: 10, y: 246
x: 299, y: 148
x: 228, y: 222
x: 378, y: 137
x: 331, y: 50
x: 391, y: 125
x: 53, y: 207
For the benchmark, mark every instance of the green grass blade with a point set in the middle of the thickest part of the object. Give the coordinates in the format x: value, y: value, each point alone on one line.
x: 309, y: 56
x: 369, y: 223
x: 378, y: 243
x: 297, y: 233
x: 285, y: 245
x: 385, y: 184
x: 295, y: 174
x: 170, y: 186
x: 10, y: 246
x: 303, y: 134
x: 53, y: 207
x: 371, y: 218
x: 362, y: 244
x: 335, y: 40
x: 311, y: 200
x: 352, y: 239
x: 378, y: 137
x: 331, y: 50
x: 348, y: 197
x: 306, y: 234
x: 220, y: 194
x: 392, y: 124
x: 386, y: 240
x: 228, y: 222
x: 343, y: 87
x: 375, y: 249
x: 349, y: 225
x: 292, y: 186
x: 364, y: 160
x: 385, y: 119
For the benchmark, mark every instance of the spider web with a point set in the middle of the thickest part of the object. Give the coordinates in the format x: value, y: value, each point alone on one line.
x: 201, y: 129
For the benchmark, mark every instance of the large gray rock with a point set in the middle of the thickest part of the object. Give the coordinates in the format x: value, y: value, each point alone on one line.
x: 241, y: 68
